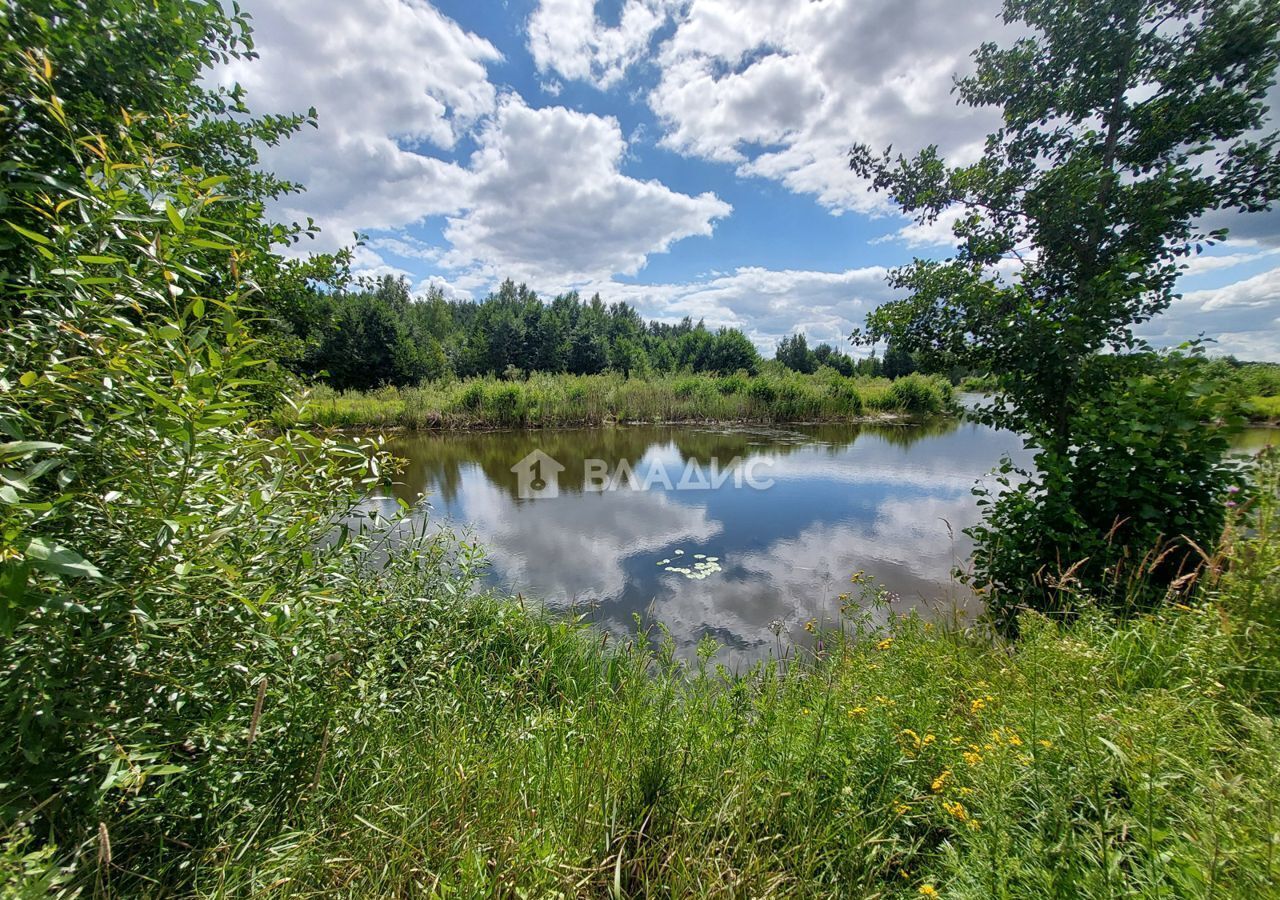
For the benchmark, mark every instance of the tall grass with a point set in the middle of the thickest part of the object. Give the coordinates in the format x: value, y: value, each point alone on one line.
x: 563, y: 400
x: 521, y: 757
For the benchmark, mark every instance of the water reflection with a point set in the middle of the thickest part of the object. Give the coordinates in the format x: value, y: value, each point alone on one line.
x: 888, y: 500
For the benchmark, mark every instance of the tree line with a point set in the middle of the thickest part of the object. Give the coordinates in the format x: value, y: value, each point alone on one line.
x: 376, y: 333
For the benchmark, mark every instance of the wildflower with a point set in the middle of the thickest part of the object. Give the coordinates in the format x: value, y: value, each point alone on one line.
x: 804, y: 711
x: 928, y: 890
x: 912, y: 737
x: 1045, y: 743
x: 885, y: 701
x: 956, y: 808
x: 940, y: 782
x: 811, y: 625
x: 858, y: 711
x: 972, y: 757
x: 901, y: 808
x: 885, y: 644
x: 957, y: 739
x: 929, y: 739
x: 1013, y: 739
x: 973, y: 825
x: 977, y: 705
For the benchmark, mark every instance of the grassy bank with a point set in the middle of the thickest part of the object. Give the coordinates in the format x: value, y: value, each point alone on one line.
x: 563, y: 400
x: 519, y: 756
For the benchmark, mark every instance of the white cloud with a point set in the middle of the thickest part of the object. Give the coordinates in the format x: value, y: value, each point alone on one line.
x: 549, y: 201
x: 938, y: 233
x: 782, y: 88
x: 1199, y: 265
x: 385, y: 76
x: 568, y: 37
x: 1243, y: 317
x: 767, y: 304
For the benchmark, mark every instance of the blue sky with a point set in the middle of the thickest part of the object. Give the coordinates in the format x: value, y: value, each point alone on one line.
x: 687, y: 156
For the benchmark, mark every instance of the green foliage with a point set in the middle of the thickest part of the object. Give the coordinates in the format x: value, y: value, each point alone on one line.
x: 563, y: 400
x: 1125, y: 123
x: 1128, y: 524
x: 1090, y: 760
x: 372, y: 334
x: 188, y: 612
x: 918, y: 394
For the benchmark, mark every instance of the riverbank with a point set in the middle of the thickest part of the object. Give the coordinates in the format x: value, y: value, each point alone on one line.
x: 545, y: 401
x: 513, y: 754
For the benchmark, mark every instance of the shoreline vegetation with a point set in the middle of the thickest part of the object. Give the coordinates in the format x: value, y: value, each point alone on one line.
x: 515, y: 752
x: 222, y: 676
x: 1252, y: 389
x: 551, y: 401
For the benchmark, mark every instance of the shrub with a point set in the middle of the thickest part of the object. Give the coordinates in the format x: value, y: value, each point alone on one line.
x: 472, y: 397
x: 504, y: 404
x: 763, y: 391
x: 917, y: 394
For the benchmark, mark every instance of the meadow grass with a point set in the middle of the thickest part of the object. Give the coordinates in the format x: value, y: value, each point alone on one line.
x: 522, y: 755
x: 583, y: 400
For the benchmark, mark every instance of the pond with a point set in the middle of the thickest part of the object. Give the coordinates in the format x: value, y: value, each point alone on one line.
x: 741, y: 533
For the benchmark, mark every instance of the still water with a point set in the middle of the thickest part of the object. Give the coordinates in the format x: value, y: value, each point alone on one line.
x: 761, y: 537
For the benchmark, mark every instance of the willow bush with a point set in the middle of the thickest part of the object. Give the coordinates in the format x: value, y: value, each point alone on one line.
x: 188, y: 619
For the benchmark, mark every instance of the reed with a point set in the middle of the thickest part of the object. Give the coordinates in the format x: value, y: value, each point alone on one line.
x: 545, y: 401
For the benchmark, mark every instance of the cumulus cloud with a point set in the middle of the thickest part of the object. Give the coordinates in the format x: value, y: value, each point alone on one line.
x: 567, y: 36
x: 781, y: 88
x: 387, y: 77
x: 767, y: 304
x: 549, y: 199
x: 1243, y: 317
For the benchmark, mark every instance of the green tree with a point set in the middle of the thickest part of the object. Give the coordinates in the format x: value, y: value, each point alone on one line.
x: 793, y: 352
x: 1124, y: 124
x: 730, y: 351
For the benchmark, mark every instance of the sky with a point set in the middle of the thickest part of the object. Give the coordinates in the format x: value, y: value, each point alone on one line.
x: 686, y: 156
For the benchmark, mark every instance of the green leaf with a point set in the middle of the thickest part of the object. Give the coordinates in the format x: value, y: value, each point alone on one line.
x: 175, y: 218
x: 19, y: 449
x: 59, y: 559
x: 26, y: 233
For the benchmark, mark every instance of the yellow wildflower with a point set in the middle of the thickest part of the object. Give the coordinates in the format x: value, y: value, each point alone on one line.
x: 901, y: 808
x: 972, y: 757
x: 858, y: 711
x: 1045, y: 744
x: 811, y: 625
x: 929, y: 739
x: 928, y: 890
x: 977, y: 704
x: 1013, y: 739
x: 885, y: 644
x: 956, y: 808
x: 940, y: 782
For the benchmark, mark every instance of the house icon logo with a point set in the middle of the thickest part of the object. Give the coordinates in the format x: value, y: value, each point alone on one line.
x: 537, y: 476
